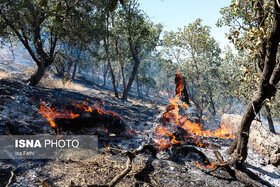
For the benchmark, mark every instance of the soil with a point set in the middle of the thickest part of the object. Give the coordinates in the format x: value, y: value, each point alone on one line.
x: 19, y: 104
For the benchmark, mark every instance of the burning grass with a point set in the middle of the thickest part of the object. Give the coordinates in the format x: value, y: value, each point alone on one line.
x: 76, y: 111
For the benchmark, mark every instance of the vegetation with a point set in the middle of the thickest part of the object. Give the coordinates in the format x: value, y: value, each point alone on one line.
x: 255, y: 27
x: 115, y: 40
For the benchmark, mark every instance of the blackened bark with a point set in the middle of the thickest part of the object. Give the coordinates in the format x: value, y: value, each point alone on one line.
x: 105, y: 75
x: 37, y: 76
x: 269, y: 119
x: 185, y: 95
x: 138, y: 87
x: 74, y: 71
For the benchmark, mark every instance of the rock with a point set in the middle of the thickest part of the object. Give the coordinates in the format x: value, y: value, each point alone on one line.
x: 264, y: 142
x: 231, y: 121
x: 261, y: 140
x: 275, y: 157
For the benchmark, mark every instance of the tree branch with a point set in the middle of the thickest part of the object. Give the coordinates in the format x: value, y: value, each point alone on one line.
x: 23, y: 38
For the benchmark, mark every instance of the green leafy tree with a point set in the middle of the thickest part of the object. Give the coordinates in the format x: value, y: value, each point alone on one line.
x: 39, y: 25
x: 255, y: 28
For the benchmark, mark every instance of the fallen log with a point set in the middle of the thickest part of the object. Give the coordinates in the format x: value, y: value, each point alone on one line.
x: 109, y: 121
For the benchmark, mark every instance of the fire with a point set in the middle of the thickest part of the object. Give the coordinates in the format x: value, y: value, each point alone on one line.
x: 83, y: 107
x: 179, y: 83
x: 172, y: 119
x: 51, y: 113
x: 207, y: 165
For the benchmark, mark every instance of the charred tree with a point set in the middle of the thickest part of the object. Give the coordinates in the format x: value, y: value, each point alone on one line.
x: 105, y: 75
x: 181, y: 88
x: 269, y: 119
x: 269, y: 72
x: 185, y: 95
x: 76, y: 63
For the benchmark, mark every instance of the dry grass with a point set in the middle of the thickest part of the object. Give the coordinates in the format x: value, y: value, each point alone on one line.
x: 101, y: 169
x: 49, y: 81
x: 4, y: 74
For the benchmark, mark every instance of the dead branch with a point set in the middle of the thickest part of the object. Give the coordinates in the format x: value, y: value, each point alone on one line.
x: 234, y: 174
x: 118, y: 178
x: 130, y: 156
x: 10, y: 179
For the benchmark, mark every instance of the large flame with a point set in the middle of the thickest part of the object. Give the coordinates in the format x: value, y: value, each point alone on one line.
x: 172, y: 119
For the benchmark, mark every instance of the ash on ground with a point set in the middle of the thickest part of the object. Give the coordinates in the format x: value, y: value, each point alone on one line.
x: 19, y: 115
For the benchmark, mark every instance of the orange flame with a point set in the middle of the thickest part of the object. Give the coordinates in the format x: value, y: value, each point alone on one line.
x: 51, y: 113
x: 179, y: 83
x: 194, y: 129
x: 207, y: 166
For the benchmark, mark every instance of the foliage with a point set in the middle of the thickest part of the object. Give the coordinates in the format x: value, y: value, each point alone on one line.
x: 198, y: 56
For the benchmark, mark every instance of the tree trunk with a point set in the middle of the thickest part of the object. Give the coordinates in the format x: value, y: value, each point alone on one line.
x: 76, y: 63
x: 147, y: 92
x: 269, y: 119
x: 106, y: 45
x: 138, y: 87
x: 37, y: 76
x: 185, y: 95
x: 269, y: 78
x: 113, y: 78
x: 212, y: 103
x: 123, y: 77
x: 74, y: 71
x: 238, y: 148
x: 133, y: 74
x: 105, y: 75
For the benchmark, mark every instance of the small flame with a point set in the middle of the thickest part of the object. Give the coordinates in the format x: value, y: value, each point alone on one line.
x: 206, y: 166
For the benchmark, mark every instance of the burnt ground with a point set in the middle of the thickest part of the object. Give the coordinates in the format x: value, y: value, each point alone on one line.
x: 19, y: 115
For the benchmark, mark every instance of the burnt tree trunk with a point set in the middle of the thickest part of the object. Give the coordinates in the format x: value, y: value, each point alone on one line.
x: 185, y: 95
x: 181, y: 88
x: 105, y: 75
x: 138, y: 87
x: 76, y: 63
x: 270, y: 76
x: 269, y: 119
x: 37, y: 76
